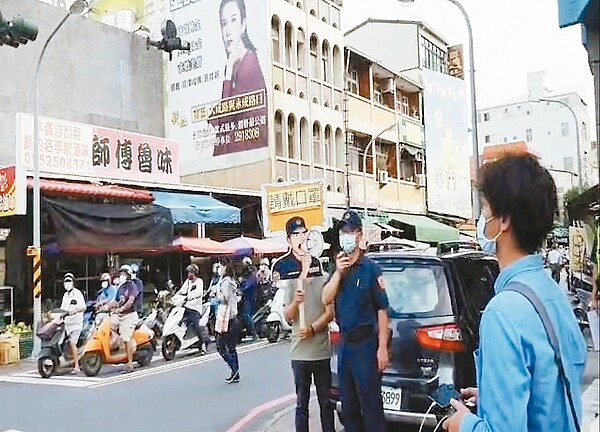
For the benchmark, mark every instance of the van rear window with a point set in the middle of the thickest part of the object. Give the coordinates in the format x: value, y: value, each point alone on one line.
x: 417, y: 290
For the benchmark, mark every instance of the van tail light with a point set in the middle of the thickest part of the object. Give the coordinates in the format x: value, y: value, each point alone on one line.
x: 441, y: 338
x: 334, y: 332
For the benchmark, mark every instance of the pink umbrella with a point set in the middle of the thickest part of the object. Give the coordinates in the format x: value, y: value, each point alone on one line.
x: 250, y: 245
x: 204, y: 246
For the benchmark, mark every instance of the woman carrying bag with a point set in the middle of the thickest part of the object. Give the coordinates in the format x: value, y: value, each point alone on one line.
x: 226, y: 325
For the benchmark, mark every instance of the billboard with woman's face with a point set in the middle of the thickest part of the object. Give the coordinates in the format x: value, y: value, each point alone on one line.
x: 216, y: 92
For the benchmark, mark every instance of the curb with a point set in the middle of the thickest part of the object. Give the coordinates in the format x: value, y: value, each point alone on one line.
x: 278, y: 415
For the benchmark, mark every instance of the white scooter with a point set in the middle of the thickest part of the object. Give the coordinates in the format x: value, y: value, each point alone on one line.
x: 177, y: 335
x: 276, y: 323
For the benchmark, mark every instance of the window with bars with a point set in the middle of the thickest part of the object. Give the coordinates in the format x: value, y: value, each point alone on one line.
x: 353, y: 81
x: 433, y: 57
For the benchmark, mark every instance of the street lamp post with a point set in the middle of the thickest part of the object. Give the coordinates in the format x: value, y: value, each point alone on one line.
x: 566, y: 105
x: 77, y: 8
x: 375, y: 138
x: 476, y: 203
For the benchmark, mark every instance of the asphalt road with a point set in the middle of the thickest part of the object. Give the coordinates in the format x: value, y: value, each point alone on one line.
x: 186, y: 395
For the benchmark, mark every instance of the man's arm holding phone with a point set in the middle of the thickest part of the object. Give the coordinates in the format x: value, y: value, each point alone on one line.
x: 331, y: 288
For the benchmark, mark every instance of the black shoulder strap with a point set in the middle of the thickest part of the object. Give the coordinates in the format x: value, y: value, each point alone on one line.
x: 533, y: 298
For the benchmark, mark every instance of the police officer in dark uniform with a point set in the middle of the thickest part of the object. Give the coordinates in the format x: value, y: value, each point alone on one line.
x: 289, y: 265
x: 361, y: 305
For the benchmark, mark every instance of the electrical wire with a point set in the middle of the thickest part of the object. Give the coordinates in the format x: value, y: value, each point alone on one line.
x: 440, y: 423
x: 425, y: 416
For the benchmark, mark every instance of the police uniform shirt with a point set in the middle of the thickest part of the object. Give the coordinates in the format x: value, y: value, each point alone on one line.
x: 360, y: 296
x: 289, y: 267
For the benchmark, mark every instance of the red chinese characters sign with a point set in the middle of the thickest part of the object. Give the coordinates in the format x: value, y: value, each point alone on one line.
x: 12, y: 192
x: 92, y: 151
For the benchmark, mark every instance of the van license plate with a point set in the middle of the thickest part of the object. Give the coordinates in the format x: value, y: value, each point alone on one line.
x: 392, y: 398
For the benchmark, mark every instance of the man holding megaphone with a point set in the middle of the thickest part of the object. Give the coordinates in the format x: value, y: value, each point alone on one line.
x: 302, y: 275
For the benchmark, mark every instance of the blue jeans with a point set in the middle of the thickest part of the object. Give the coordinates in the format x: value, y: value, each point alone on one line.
x: 247, y: 316
x: 227, y: 343
x: 304, y: 372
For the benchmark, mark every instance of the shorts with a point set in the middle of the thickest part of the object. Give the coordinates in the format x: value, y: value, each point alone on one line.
x: 126, y: 324
x: 73, y: 334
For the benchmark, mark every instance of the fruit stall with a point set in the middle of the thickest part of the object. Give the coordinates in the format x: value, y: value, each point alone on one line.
x: 16, y: 343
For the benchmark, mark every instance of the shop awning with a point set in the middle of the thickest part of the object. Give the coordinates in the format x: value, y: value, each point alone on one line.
x: 190, y: 208
x: 427, y: 229
x: 203, y: 246
x: 63, y: 188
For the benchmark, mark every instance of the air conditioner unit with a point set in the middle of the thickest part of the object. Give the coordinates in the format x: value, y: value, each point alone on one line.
x: 419, y: 157
x: 421, y: 180
x: 382, y: 176
x: 388, y: 85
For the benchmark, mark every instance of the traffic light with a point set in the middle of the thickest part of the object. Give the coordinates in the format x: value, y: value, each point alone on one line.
x: 170, y: 42
x: 17, y: 31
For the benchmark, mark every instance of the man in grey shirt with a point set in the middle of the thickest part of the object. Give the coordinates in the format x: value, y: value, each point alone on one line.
x: 310, y: 349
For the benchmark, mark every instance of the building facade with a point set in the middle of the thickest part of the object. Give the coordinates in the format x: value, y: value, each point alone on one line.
x: 548, y: 127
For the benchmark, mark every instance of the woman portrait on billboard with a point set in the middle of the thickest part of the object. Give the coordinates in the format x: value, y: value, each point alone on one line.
x: 242, y: 71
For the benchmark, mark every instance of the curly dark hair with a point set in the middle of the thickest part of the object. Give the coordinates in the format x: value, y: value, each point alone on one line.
x: 518, y: 187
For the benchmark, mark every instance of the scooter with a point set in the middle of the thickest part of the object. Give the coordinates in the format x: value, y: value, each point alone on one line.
x: 55, y: 343
x: 157, y: 317
x: 276, y: 323
x: 177, y: 335
x: 106, y: 347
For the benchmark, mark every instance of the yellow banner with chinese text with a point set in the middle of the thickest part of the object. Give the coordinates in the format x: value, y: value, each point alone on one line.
x: 283, y: 201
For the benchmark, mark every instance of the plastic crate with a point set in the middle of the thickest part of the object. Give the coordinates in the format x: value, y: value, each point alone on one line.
x: 9, y: 350
x: 25, y: 346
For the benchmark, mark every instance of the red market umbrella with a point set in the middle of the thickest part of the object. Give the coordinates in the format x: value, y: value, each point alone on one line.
x: 249, y: 246
x: 203, y: 246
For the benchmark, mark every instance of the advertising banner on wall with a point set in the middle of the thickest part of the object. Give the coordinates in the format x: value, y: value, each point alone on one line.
x: 282, y: 201
x: 13, y: 191
x: 216, y: 93
x: 85, y: 150
x: 447, y: 145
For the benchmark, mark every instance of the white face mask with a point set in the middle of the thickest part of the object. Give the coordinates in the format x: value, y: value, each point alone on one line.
x: 116, y: 281
x: 68, y: 286
x: 347, y: 242
x: 104, y: 284
x: 221, y: 271
x: 122, y: 279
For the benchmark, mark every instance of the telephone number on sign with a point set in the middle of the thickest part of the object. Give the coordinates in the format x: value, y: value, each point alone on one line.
x: 250, y: 134
x: 58, y: 162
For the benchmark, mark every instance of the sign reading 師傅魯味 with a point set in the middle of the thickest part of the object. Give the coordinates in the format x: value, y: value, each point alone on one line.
x: 79, y: 149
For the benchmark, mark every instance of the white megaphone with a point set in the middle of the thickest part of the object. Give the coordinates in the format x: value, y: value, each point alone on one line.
x: 314, y: 243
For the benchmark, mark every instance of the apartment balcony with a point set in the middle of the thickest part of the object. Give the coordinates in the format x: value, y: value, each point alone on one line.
x: 396, y: 195
x: 411, y: 131
x: 370, y: 119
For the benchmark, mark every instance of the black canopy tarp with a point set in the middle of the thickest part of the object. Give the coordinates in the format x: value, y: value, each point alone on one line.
x: 108, y: 227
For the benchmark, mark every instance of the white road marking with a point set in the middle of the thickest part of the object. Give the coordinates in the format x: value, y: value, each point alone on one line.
x: 78, y: 381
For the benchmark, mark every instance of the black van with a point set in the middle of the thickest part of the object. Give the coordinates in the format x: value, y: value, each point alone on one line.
x: 436, y: 299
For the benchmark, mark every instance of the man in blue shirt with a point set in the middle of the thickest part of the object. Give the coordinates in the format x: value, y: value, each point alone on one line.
x: 108, y: 291
x: 361, y: 304
x: 519, y: 385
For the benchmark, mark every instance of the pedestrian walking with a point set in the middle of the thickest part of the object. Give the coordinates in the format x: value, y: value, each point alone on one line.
x: 531, y: 355
x: 310, y: 350
x: 361, y: 304
x: 227, y: 323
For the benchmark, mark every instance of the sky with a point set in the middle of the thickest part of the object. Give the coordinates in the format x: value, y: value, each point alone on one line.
x: 511, y: 38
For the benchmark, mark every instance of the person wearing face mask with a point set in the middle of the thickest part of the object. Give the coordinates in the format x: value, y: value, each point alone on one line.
x: 192, y: 289
x: 74, y: 303
x: 108, y: 291
x: 523, y: 385
x: 356, y: 288
x: 126, y: 316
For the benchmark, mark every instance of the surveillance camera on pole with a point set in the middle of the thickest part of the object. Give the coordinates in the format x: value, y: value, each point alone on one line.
x: 17, y: 31
x: 170, y: 42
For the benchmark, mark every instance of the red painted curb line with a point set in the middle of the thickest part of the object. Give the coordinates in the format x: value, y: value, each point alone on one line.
x: 260, y: 410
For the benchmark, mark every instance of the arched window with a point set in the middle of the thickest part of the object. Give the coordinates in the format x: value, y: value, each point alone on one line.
x: 317, y: 143
x: 340, y: 149
x: 337, y: 66
x: 275, y: 38
x: 291, y: 141
x: 300, y: 50
x: 327, y: 153
x: 314, y: 56
x: 304, y: 140
x: 279, y: 133
x: 289, y: 35
x: 325, y: 61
